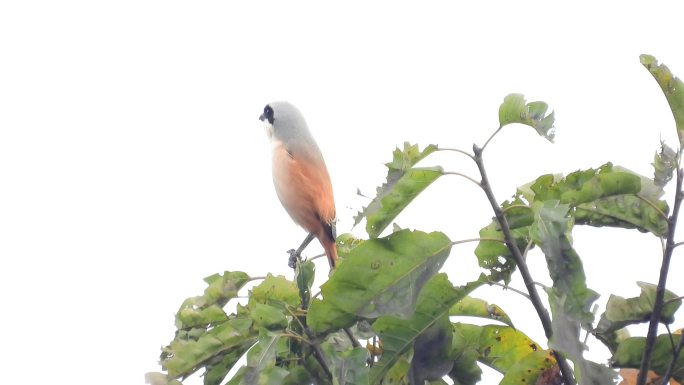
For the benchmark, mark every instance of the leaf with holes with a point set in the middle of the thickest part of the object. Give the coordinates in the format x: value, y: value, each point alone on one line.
x: 514, y: 109
x: 403, y: 184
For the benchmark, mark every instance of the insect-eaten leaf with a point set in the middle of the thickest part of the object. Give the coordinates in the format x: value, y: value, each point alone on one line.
x: 606, y: 196
x: 378, y: 277
x: 403, y: 183
x: 672, y: 87
x: 621, y: 312
x: 514, y: 109
x: 664, y: 164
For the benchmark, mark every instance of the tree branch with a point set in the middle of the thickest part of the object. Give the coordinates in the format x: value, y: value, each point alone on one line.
x: 662, y: 281
x: 543, y: 314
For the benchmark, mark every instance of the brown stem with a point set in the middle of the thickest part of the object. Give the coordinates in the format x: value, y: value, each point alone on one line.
x: 542, y: 313
x: 662, y: 281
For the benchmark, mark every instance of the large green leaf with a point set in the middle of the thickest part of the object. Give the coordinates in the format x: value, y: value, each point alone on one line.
x: 432, y: 353
x: 514, y: 109
x: 183, y: 357
x: 607, y: 196
x: 380, y: 276
x: 261, y: 361
x: 348, y: 367
x: 399, y: 335
x: 629, y: 352
x: 672, y: 87
x: 465, y: 351
x: 621, y: 312
x: 569, y: 297
x: 208, y: 308
x: 275, y: 291
x: 475, y: 307
x: 403, y: 184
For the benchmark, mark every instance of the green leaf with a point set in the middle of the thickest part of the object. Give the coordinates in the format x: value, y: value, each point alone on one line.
x: 664, y: 164
x: 501, y: 347
x: 432, y: 357
x: 208, y: 308
x: 515, y: 110
x: 183, y: 357
x: 398, y: 335
x: 324, y: 316
x: 398, y: 373
x: 403, y: 184
x: 551, y: 231
x: 494, y: 255
x: 475, y: 307
x: 217, y: 370
x: 529, y: 368
x: 304, y: 276
x: 465, y: 350
x: 275, y: 291
x: 380, y: 276
x: 672, y: 87
x: 629, y: 351
x: 261, y: 360
x: 607, y: 196
x: 348, y: 366
x: 621, y: 312
x: 268, y: 317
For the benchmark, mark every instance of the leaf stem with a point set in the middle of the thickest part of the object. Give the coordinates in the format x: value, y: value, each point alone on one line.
x: 662, y: 281
x: 489, y: 140
x: 454, y: 243
x: 466, y: 153
x: 355, y: 343
x: 462, y: 175
x: 509, y: 288
x: 543, y: 314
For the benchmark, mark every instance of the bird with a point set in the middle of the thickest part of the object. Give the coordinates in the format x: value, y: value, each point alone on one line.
x: 300, y: 177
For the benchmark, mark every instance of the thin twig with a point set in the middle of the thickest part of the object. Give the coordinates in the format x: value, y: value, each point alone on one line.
x: 509, y: 288
x: 466, y: 153
x: 528, y: 247
x: 542, y: 313
x: 678, y: 244
x: 462, y: 175
x: 489, y: 140
x: 355, y: 343
x: 454, y: 243
x: 662, y: 281
x: 318, y: 354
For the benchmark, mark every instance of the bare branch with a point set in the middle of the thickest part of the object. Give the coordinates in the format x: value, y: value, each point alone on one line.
x: 662, y: 281
x: 542, y: 313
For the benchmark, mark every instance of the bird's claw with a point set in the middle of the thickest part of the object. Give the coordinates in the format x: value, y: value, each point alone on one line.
x: 294, y: 258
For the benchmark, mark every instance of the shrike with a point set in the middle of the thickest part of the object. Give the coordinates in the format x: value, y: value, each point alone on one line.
x: 300, y: 177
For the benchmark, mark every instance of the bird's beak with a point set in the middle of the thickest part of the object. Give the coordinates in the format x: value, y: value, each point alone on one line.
x: 262, y: 117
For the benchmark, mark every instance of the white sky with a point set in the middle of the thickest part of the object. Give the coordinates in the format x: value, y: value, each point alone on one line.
x: 132, y: 162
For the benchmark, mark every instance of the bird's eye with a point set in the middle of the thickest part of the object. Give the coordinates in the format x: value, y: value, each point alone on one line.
x: 268, y: 114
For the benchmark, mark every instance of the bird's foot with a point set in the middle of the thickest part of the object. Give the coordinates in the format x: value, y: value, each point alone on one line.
x: 294, y: 258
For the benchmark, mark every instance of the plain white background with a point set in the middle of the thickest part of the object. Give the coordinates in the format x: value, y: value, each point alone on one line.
x: 132, y: 162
